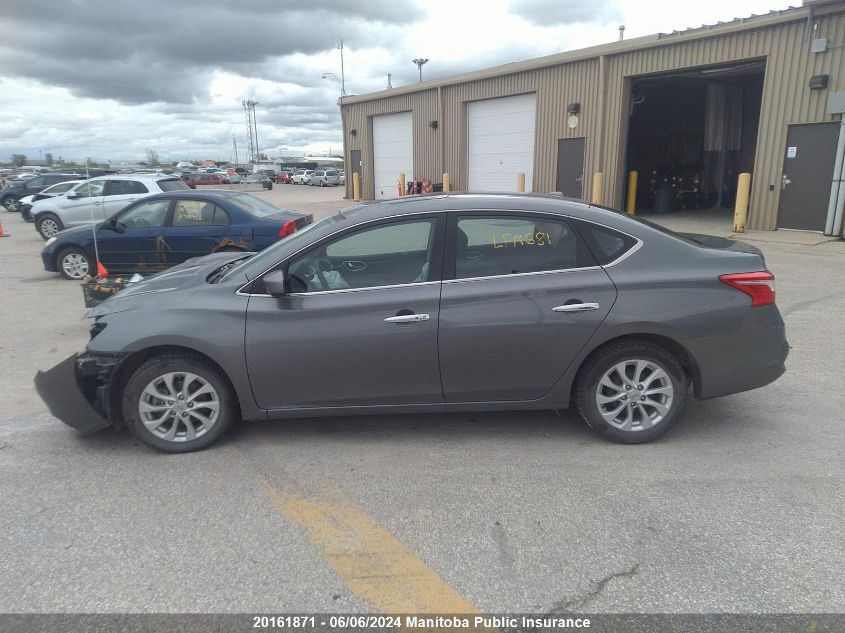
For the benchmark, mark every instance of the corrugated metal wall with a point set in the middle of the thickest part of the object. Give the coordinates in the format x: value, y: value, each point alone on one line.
x: 603, y: 119
x: 358, y: 117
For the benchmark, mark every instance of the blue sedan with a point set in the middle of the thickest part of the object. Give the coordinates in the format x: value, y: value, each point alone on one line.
x: 166, y: 229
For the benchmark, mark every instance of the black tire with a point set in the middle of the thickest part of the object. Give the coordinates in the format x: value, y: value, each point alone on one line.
x: 26, y: 212
x: 595, y: 368
x: 45, y: 228
x: 83, y: 264
x: 175, y: 362
x: 12, y: 203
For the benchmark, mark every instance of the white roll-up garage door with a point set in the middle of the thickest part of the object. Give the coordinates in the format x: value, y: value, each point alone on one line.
x: 393, y: 152
x: 500, y: 142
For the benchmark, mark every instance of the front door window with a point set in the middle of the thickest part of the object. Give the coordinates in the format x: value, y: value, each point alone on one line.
x: 384, y: 255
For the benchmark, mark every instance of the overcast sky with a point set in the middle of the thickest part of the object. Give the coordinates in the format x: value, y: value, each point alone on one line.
x: 108, y: 78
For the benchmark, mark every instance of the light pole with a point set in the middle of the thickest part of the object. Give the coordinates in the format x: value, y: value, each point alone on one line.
x: 419, y: 61
x: 334, y: 77
x: 342, y: 74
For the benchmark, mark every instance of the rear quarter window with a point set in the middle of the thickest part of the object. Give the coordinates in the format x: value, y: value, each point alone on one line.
x: 606, y: 244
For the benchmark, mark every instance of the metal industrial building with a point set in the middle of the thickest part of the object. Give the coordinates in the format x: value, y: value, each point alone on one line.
x: 687, y: 110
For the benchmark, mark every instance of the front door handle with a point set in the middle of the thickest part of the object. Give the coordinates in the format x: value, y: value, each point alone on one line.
x: 576, y: 307
x: 407, y: 318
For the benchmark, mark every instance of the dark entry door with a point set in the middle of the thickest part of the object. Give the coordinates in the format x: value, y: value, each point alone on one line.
x: 807, y: 175
x: 355, y: 167
x: 570, y: 167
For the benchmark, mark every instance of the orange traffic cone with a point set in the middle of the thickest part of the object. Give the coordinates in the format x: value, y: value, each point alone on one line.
x: 101, y: 270
x: 2, y: 234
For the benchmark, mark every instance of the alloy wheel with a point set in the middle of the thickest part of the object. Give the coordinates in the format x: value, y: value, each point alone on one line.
x: 635, y: 395
x: 75, y: 265
x: 11, y: 203
x: 49, y: 228
x: 179, y: 406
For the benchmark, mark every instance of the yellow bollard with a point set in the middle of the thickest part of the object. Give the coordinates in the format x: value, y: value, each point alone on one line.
x: 356, y: 187
x: 743, y: 190
x: 598, y: 179
x: 520, y: 182
x: 446, y: 183
x: 402, y: 184
x: 631, y: 205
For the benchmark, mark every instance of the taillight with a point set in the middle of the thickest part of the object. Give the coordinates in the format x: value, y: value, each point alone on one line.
x: 759, y: 286
x: 287, y: 228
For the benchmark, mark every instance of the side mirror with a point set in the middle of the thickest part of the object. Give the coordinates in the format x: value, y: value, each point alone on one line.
x: 274, y: 282
x: 72, y: 194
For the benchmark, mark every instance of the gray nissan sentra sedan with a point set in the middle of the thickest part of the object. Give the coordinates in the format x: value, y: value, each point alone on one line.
x: 430, y: 304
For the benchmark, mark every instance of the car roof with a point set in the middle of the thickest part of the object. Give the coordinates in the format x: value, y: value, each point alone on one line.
x: 495, y: 202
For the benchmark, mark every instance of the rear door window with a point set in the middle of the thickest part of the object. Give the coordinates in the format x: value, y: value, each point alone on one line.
x: 198, y: 213
x: 495, y: 245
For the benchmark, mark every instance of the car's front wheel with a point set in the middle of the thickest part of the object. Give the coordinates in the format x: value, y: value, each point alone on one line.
x: 178, y: 402
x: 74, y: 263
x: 48, y: 224
x: 632, y: 391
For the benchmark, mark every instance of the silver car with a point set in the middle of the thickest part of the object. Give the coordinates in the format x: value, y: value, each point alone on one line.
x: 324, y: 178
x: 96, y: 199
x: 432, y: 304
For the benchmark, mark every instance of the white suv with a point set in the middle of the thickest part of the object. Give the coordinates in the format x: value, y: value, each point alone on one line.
x: 302, y: 176
x: 96, y: 199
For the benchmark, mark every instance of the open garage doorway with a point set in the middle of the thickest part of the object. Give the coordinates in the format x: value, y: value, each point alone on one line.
x: 690, y: 134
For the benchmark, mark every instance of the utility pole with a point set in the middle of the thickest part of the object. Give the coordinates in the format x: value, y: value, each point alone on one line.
x: 420, y: 61
x: 235, y: 149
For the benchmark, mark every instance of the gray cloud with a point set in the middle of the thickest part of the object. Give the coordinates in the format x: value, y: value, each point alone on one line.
x: 551, y: 12
x: 160, y: 50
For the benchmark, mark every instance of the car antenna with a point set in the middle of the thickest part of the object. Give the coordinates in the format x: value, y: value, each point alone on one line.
x: 93, y: 225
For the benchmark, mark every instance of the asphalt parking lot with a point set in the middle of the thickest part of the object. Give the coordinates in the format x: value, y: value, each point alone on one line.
x: 738, y: 509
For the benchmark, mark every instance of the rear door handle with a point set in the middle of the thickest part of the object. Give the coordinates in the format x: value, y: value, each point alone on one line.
x: 407, y: 318
x: 576, y: 307
x: 354, y: 265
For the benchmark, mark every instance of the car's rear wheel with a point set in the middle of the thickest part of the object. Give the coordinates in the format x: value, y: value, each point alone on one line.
x: 631, y: 392
x: 178, y: 402
x: 12, y: 203
x: 48, y: 225
x: 74, y: 263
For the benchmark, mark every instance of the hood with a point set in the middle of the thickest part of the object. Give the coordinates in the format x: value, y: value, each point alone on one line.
x: 184, y: 278
x: 27, y: 199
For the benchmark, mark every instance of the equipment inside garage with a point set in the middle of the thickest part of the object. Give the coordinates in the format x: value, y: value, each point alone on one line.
x: 691, y: 133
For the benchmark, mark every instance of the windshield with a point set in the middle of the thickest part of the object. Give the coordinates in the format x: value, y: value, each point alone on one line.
x: 257, y: 264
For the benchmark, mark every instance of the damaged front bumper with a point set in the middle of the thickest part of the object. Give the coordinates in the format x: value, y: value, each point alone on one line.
x: 76, y: 391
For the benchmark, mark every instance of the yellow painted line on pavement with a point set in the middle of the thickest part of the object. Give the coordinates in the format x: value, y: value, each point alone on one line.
x: 375, y: 565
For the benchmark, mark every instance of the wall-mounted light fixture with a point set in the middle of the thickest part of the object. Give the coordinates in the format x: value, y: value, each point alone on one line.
x: 433, y: 125
x: 573, y: 108
x: 353, y: 132
x: 818, y: 82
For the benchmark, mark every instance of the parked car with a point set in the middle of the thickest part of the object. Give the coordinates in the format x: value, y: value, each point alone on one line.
x: 259, y: 178
x: 324, y: 177
x: 432, y: 304
x: 284, y: 177
x: 11, y: 194
x: 232, y: 179
x: 50, y: 192
x: 342, y: 174
x: 301, y: 176
x: 96, y: 199
x: 169, y: 228
x: 205, y: 178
